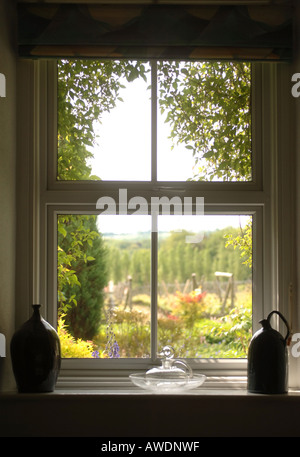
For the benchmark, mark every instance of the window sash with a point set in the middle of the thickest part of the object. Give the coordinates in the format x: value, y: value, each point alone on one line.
x: 154, y: 185
x: 257, y: 228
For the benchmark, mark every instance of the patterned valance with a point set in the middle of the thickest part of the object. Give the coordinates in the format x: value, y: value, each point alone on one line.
x: 239, y: 32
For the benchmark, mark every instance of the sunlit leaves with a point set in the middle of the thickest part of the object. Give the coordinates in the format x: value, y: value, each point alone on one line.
x: 243, y: 241
x: 74, y: 234
x: 208, y: 108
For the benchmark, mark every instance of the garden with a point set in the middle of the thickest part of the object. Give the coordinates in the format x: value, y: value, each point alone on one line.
x: 213, y: 319
x: 191, y: 323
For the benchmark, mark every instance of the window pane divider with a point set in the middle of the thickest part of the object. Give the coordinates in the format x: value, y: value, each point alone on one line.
x: 154, y: 291
x: 154, y: 121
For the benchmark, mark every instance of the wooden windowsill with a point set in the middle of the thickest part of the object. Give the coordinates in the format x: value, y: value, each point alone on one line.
x: 136, y: 413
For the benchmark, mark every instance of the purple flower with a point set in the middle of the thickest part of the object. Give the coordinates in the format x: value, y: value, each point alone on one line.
x: 115, y: 351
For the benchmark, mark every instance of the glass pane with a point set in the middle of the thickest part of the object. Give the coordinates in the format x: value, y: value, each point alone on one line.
x: 205, y: 285
x: 104, y: 120
x: 104, y: 285
x: 204, y: 121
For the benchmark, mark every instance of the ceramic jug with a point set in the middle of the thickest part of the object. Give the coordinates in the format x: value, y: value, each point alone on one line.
x: 268, y: 359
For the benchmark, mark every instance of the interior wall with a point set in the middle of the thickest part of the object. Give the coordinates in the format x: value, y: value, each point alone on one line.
x: 7, y: 184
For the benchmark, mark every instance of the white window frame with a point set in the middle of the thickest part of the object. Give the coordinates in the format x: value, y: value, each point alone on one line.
x: 269, y: 198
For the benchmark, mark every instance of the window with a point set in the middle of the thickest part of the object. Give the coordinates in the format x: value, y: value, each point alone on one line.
x: 237, y: 194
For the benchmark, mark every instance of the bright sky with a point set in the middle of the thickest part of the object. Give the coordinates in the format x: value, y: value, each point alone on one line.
x: 196, y: 224
x: 125, y: 136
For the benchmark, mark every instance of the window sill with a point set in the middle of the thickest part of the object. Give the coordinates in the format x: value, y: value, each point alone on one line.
x: 131, y: 412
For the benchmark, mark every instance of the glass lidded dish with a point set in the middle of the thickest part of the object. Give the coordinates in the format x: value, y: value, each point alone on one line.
x: 173, y: 375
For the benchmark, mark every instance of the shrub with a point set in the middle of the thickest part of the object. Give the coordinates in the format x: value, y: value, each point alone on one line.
x: 232, y: 331
x: 82, y: 274
x: 70, y: 346
x: 189, y: 307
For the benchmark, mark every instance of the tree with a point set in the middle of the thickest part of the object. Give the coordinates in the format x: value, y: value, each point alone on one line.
x: 82, y: 274
x: 72, y: 236
x: 178, y: 260
x: 243, y: 241
x: 207, y: 105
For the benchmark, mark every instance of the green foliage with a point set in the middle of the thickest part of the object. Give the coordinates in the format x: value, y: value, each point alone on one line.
x: 210, y: 335
x: 206, y: 334
x: 232, y: 332
x: 129, y: 258
x: 82, y: 274
x: 208, y: 107
x: 73, y: 238
x: 243, y: 241
x: 70, y: 346
x: 131, y: 333
x: 178, y: 260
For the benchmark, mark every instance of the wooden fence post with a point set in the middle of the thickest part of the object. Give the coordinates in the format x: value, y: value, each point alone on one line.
x: 230, y: 287
x: 195, y: 286
x: 128, y: 296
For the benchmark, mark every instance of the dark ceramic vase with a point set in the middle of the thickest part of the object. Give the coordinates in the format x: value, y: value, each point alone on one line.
x: 268, y: 359
x: 35, y: 354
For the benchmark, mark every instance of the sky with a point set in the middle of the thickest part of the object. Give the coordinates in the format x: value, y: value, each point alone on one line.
x: 195, y: 224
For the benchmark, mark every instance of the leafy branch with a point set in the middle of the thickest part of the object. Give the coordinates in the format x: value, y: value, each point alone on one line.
x: 243, y: 242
